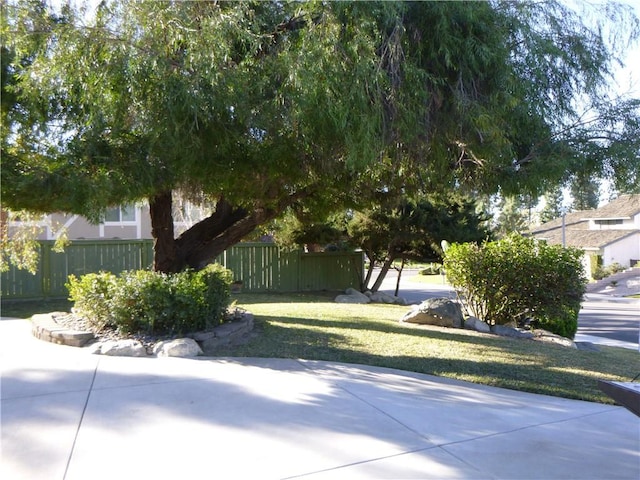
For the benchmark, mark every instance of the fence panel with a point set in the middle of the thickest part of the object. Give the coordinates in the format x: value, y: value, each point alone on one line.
x: 17, y: 283
x: 261, y: 267
x: 330, y: 271
x: 78, y: 258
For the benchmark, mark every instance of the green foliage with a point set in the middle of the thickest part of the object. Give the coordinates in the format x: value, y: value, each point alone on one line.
x: 415, y: 229
x: 410, y: 229
x: 295, y: 229
x: 92, y: 295
x: 326, y: 104
x: 20, y: 247
x: 517, y: 278
x: 512, y: 216
x: 153, y: 302
x: 600, y: 272
x: 553, y: 205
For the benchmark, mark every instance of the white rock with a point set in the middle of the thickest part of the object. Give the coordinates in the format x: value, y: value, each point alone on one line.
x: 351, y: 299
x: 123, y: 348
x: 352, y: 296
x: 381, y: 297
x: 180, y: 347
x: 474, y: 323
x: 507, y: 331
x: 545, y: 336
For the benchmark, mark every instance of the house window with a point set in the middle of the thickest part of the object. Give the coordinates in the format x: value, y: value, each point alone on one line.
x: 609, y: 222
x: 121, y: 214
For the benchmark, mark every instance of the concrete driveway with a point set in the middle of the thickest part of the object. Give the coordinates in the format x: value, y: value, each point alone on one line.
x: 70, y: 415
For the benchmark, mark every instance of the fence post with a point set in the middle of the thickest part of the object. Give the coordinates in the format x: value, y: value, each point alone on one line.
x: 45, y: 251
x: 144, y: 254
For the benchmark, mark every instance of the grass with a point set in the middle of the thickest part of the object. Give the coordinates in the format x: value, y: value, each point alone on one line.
x: 27, y: 308
x: 429, y: 279
x: 312, y: 326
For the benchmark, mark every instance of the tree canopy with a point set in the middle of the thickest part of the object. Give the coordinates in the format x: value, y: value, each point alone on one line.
x: 414, y: 230
x: 254, y: 107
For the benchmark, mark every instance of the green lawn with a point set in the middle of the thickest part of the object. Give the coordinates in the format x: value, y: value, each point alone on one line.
x: 430, y: 279
x: 27, y: 308
x: 312, y: 326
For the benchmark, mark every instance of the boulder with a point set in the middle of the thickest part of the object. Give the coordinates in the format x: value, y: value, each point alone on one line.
x: 474, y: 323
x: 120, y: 348
x: 381, y: 297
x: 231, y: 333
x: 351, y: 295
x: 546, y: 336
x: 180, y: 347
x: 507, y: 331
x: 442, y: 312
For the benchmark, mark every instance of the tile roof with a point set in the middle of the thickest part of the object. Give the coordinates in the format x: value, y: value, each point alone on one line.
x: 625, y: 206
x: 586, y: 239
x: 577, y: 233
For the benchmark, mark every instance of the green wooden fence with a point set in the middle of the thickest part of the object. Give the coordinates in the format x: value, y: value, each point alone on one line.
x: 260, y: 267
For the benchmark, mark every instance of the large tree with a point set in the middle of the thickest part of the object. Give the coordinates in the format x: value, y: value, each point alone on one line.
x: 409, y: 229
x: 254, y: 107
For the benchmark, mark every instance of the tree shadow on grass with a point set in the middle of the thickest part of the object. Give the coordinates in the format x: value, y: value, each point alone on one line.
x: 516, y: 364
x: 28, y: 307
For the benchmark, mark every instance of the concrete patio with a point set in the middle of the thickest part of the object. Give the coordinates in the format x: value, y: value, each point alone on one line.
x: 70, y: 415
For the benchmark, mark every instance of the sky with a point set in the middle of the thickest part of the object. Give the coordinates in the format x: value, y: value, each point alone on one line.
x: 628, y: 78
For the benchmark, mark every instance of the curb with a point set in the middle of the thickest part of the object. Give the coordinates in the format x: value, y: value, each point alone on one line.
x: 44, y: 327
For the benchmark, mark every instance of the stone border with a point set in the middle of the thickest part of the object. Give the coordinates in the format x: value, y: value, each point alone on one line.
x: 45, y: 327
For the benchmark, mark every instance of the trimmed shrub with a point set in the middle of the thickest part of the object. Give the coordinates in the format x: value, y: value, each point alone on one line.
x: 601, y: 272
x: 92, y: 294
x: 153, y: 302
x: 519, y: 278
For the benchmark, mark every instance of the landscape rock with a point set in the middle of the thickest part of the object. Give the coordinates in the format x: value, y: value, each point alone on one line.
x: 442, y: 312
x: 120, y: 348
x: 545, y: 336
x: 180, y: 347
x: 352, y: 295
x: 507, y: 331
x: 381, y: 297
x: 231, y: 333
x: 474, y: 323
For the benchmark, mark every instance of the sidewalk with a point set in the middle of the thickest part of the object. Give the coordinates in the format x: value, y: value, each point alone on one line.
x: 69, y: 415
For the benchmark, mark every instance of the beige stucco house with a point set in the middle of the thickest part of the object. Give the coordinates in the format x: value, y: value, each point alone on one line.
x: 609, y: 234
x: 127, y: 222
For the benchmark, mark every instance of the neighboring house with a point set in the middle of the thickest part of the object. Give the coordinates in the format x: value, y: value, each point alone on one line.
x: 609, y: 234
x: 125, y: 222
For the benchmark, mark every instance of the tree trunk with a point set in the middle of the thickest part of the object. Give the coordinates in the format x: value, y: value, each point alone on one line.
x: 399, y: 275
x: 164, y: 246
x: 203, y: 242
x: 383, y: 273
x: 372, y: 266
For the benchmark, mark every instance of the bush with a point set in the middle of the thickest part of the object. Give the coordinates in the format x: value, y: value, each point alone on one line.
x: 92, y: 295
x: 152, y: 302
x: 519, y: 278
x: 602, y: 272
